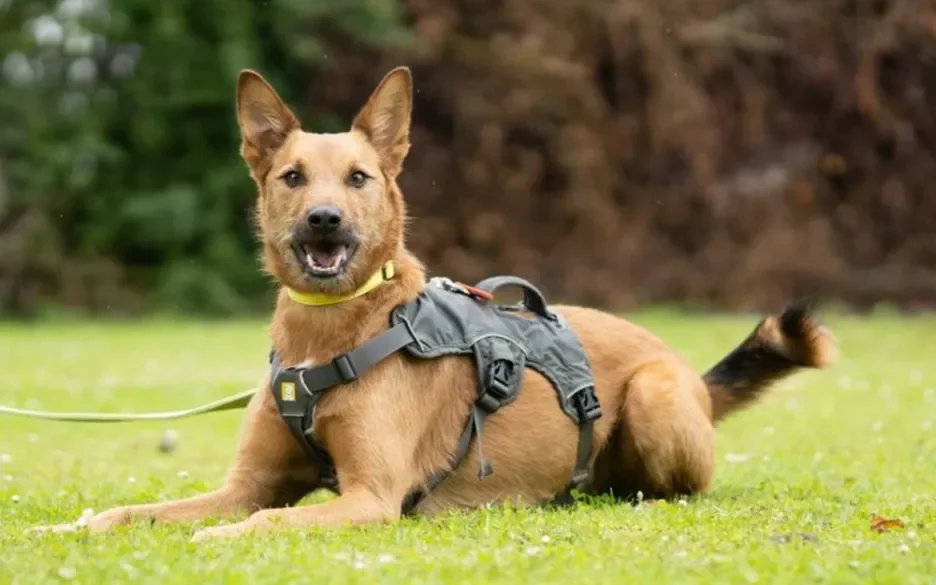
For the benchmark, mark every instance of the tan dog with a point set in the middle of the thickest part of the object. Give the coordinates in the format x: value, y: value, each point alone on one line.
x: 389, y: 430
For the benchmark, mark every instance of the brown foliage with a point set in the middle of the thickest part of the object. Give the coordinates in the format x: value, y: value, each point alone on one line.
x: 714, y: 152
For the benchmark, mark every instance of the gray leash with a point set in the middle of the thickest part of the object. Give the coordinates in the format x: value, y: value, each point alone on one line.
x: 233, y: 402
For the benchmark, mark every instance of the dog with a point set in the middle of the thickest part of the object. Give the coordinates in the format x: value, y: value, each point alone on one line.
x: 330, y: 214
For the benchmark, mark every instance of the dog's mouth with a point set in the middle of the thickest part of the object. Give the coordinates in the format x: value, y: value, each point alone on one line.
x: 324, y: 259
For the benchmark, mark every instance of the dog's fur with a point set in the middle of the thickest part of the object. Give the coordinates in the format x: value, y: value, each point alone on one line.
x: 388, y: 431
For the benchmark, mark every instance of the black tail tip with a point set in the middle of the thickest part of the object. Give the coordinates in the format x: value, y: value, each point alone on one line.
x: 797, y: 315
x: 802, y: 338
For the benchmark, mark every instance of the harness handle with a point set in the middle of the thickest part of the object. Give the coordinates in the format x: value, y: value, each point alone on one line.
x: 533, y: 299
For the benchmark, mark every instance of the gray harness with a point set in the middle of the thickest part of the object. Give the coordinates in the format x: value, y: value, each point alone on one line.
x: 449, y: 319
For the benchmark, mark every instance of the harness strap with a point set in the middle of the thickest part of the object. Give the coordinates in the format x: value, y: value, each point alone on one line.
x: 299, y: 419
x: 589, y: 410
x: 495, y: 389
x: 347, y: 367
x: 461, y: 451
x: 580, y: 475
x: 488, y: 402
x: 298, y: 410
x: 478, y: 418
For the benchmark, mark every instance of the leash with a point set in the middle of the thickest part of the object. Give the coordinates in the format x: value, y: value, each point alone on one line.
x: 233, y: 402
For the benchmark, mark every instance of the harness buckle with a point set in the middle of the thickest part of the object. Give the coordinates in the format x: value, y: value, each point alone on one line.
x: 497, y: 388
x: 346, y: 370
x: 587, y: 405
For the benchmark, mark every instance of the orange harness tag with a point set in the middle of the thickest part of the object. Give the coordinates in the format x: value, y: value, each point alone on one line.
x: 476, y: 292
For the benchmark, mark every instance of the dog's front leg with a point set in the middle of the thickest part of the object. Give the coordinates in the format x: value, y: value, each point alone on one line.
x: 222, y: 502
x: 353, y: 508
x: 240, y: 494
x: 269, y: 470
x: 375, y: 476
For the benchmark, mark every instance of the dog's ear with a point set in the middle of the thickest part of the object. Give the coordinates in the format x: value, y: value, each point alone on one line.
x: 385, y: 119
x: 265, y: 121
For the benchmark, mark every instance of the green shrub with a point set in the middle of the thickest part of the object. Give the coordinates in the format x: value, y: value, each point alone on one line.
x: 120, y: 182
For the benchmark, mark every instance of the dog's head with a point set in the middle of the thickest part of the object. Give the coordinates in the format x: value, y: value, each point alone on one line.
x: 330, y: 212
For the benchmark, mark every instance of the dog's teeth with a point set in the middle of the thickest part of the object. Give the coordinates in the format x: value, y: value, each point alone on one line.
x: 328, y: 263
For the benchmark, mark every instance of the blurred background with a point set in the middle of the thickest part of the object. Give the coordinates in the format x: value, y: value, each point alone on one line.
x: 717, y: 154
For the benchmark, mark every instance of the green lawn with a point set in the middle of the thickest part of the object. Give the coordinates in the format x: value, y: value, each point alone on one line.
x: 799, y: 477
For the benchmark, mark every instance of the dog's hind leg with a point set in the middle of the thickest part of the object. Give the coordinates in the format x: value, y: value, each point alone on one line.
x: 666, y: 445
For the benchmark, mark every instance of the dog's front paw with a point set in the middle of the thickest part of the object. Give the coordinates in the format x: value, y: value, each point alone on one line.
x: 261, y: 521
x: 66, y: 528
x: 110, y: 519
x: 224, y: 531
x: 69, y: 527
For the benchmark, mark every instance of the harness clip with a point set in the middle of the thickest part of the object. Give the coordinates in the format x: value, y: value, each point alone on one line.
x: 587, y: 405
x: 497, y: 388
x: 345, y: 368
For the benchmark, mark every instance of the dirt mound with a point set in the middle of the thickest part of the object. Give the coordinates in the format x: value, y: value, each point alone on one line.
x: 715, y: 153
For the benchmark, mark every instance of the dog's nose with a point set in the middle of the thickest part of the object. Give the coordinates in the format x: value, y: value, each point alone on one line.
x: 324, y: 219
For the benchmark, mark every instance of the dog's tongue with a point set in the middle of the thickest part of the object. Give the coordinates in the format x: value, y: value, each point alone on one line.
x: 327, y: 258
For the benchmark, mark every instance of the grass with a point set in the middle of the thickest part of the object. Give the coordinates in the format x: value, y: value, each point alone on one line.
x: 799, y: 477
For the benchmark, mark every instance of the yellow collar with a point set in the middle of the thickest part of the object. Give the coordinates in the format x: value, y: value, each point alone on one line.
x: 320, y: 299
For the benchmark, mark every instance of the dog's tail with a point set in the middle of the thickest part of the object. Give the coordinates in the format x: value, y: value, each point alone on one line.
x: 778, y: 346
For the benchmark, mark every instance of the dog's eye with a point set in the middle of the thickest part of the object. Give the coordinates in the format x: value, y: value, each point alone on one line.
x: 292, y: 178
x: 357, y: 179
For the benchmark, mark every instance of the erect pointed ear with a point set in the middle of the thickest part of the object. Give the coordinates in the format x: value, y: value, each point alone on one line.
x: 264, y: 119
x: 385, y: 119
